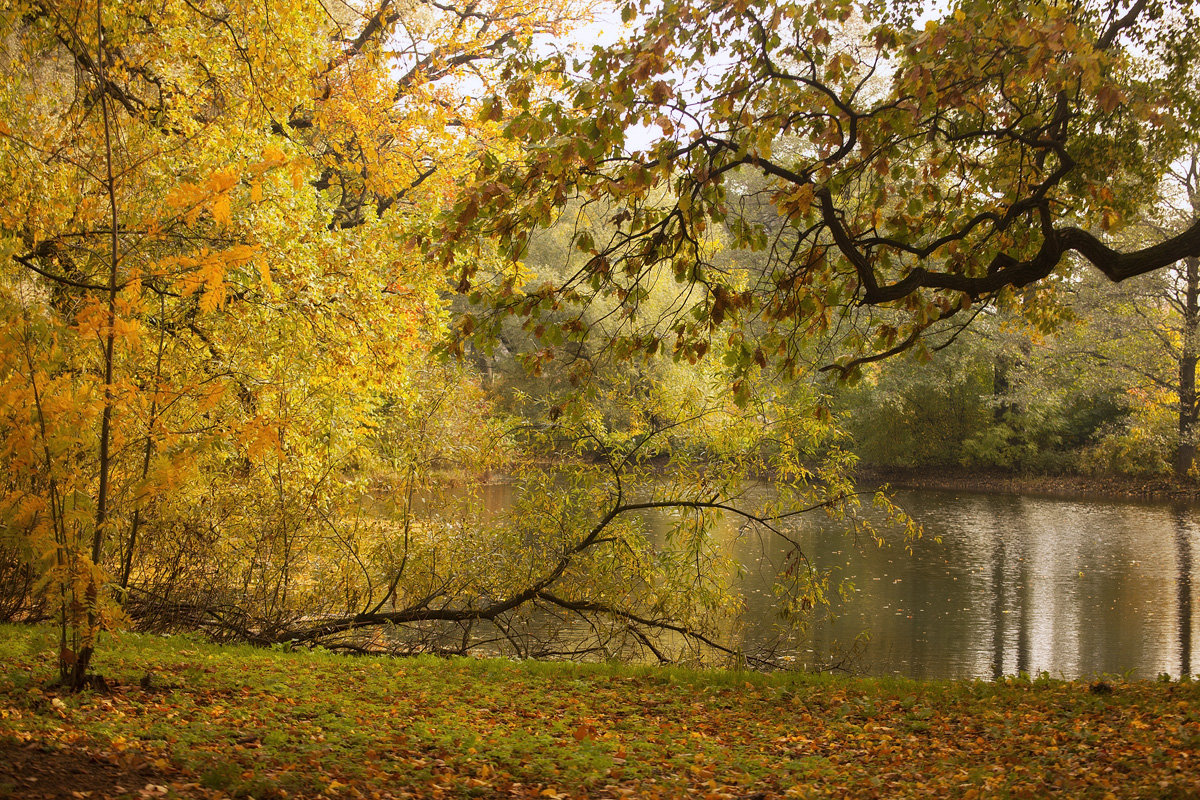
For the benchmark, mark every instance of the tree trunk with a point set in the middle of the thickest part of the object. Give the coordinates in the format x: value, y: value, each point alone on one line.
x: 75, y: 669
x: 1185, y: 453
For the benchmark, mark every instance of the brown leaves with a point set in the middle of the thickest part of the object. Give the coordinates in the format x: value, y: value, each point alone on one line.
x: 1109, y: 98
x: 303, y: 724
x: 660, y: 92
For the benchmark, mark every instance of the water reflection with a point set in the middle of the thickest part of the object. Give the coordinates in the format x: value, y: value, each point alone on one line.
x: 1020, y: 584
x: 1184, y: 533
x: 999, y: 584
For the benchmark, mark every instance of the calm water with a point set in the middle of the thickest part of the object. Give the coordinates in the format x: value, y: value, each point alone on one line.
x: 1016, y: 584
x: 999, y: 584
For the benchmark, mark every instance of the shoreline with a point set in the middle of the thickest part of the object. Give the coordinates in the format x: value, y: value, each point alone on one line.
x: 999, y: 482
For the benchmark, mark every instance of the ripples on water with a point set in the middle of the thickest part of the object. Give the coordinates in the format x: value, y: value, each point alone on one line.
x: 1016, y: 584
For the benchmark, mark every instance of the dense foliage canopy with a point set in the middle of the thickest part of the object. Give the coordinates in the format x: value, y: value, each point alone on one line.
x: 790, y: 163
x: 230, y: 235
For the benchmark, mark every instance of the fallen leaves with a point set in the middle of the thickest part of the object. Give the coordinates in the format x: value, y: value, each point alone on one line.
x: 262, y: 724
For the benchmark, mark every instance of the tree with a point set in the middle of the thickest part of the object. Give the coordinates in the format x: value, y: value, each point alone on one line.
x: 1004, y: 396
x: 1185, y: 298
x: 192, y: 420
x: 1145, y: 330
x: 922, y: 171
x: 207, y: 281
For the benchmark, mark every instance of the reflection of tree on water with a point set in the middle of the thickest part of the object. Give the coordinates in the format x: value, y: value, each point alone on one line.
x: 1023, y: 617
x: 1079, y: 588
x: 999, y: 560
x: 1183, y: 547
x: 1010, y: 590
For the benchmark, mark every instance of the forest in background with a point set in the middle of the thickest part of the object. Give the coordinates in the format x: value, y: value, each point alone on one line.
x: 284, y: 284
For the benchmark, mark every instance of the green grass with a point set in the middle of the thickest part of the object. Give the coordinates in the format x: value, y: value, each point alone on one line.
x: 243, y: 722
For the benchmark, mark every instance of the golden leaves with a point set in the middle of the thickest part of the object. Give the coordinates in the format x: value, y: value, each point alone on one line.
x: 796, y: 202
x: 216, y: 196
x: 209, y: 396
x: 261, y: 435
x: 205, y: 271
x: 214, y: 206
x: 213, y: 196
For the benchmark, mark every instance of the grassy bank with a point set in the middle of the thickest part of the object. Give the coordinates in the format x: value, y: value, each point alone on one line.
x: 188, y: 719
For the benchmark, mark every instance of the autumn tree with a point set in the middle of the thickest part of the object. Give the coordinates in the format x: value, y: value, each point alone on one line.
x: 918, y: 170
x: 1145, y: 331
x: 246, y: 379
x: 208, y: 290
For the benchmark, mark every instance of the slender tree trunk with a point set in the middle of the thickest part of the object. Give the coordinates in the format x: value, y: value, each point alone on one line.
x: 147, y: 450
x: 83, y: 659
x: 1185, y: 453
x: 57, y: 516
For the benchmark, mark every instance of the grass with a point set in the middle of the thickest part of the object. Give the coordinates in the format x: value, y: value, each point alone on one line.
x: 242, y: 722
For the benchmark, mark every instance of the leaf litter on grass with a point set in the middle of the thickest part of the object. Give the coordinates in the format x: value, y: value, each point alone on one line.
x: 235, y: 722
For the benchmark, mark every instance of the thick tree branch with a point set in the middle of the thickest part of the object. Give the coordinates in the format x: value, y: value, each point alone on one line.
x: 1114, y: 29
x: 1119, y: 266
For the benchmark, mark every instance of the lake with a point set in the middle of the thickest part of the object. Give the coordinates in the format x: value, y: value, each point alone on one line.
x: 1016, y: 584
x: 998, y: 585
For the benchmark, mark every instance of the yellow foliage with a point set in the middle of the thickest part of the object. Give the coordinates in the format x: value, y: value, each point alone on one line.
x: 258, y: 315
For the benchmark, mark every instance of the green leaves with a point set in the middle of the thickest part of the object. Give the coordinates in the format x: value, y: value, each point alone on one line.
x: 966, y: 170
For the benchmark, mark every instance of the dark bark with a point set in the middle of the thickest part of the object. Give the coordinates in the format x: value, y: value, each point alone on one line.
x: 1005, y: 271
x: 74, y: 670
x: 1185, y: 454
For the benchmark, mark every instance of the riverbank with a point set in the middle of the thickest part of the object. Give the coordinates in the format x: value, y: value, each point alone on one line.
x: 191, y: 720
x: 1072, y: 486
